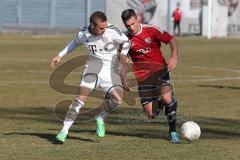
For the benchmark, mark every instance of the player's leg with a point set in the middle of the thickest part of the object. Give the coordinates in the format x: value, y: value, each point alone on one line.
x: 112, y: 87
x: 170, y: 103
x: 174, y: 27
x: 113, y: 98
x: 179, y: 29
x: 87, y: 85
x: 149, y: 96
x: 149, y: 93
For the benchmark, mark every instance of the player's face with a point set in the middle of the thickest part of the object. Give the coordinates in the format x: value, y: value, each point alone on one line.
x: 132, y: 25
x: 100, y: 27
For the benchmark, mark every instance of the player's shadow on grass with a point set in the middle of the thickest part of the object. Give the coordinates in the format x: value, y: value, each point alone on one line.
x: 145, y: 134
x: 38, y: 114
x: 49, y: 137
x: 212, y: 128
x: 140, y: 133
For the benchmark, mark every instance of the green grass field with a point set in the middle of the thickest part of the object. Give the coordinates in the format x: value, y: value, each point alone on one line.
x: 207, y: 85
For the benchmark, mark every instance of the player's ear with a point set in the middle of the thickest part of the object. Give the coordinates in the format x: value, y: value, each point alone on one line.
x: 91, y: 25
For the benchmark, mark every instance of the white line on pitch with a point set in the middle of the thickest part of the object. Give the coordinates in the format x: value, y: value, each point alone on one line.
x: 25, y: 59
x: 217, y: 69
x: 210, y: 79
x: 34, y: 82
x: 36, y: 71
x: 192, y: 76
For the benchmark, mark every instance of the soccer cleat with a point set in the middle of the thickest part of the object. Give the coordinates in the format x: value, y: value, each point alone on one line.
x: 61, y: 137
x: 174, y: 137
x: 100, y: 128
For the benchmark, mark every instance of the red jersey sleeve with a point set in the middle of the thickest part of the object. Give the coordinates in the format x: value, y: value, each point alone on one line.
x: 161, y: 35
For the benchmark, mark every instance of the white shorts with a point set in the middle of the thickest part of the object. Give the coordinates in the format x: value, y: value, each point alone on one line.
x: 105, y: 77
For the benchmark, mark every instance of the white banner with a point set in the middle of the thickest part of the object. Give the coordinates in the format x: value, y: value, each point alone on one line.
x: 156, y: 12
x: 233, y: 16
x: 225, y: 14
x: 148, y: 11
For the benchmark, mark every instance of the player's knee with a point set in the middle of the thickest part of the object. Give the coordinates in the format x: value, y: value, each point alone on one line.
x: 116, y: 95
x: 110, y: 106
x: 171, y: 109
x: 89, y: 81
x: 76, y: 105
x: 167, y: 99
x: 117, y: 100
x: 87, y: 86
x: 73, y: 109
x: 149, y: 110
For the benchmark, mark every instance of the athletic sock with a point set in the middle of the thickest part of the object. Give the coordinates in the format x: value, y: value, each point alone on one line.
x: 72, y: 113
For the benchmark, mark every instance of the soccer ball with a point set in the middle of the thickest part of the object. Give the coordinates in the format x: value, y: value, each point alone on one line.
x: 190, y: 131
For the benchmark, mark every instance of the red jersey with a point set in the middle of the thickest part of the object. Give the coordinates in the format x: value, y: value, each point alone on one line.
x: 145, y: 51
x: 177, y: 15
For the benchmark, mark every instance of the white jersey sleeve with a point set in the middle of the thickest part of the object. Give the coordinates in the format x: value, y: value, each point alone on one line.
x: 120, y: 38
x: 73, y: 44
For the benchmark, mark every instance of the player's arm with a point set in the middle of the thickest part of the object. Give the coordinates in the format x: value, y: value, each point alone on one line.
x: 124, y: 47
x: 68, y: 49
x: 124, y: 61
x: 123, y: 71
x: 166, y: 38
x: 172, y: 62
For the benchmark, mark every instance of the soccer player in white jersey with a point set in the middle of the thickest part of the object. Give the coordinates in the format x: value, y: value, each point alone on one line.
x: 103, y: 68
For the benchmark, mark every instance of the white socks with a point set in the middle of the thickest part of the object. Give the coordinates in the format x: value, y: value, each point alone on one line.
x: 72, y: 113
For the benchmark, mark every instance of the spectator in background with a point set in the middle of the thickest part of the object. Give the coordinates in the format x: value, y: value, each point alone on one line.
x: 177, y: 16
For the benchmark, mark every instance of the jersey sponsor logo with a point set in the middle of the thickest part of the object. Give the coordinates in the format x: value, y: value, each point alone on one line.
x: 144, y: 51
x: 92, y: 48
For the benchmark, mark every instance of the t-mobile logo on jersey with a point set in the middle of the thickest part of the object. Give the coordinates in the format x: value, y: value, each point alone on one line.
x: 92, y: 48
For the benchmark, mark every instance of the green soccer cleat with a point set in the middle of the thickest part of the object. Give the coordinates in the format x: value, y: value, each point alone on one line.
x: 100, y: 128
x: 61, y: 137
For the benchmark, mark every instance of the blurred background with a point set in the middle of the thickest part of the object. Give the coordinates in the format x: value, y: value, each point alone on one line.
x: 212, y: 18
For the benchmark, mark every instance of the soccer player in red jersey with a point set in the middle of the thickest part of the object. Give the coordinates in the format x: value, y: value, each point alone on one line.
x: 151, y: 69
x: 177, y: 16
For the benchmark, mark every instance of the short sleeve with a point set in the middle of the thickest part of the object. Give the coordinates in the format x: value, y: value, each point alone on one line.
x: 79, y: 38
x: 118, y: 35
x: 161, y: 35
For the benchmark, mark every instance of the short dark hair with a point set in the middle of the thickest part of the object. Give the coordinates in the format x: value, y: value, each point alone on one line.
x: 127, y: 14
x: 98, y: 15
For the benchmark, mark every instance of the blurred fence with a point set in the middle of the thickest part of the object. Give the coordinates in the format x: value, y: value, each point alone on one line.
x: 46, y: 15
x: 64, y: 16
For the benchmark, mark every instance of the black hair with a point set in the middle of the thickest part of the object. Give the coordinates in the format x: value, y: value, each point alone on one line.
x: 98, y: 15
x: 127, y: 14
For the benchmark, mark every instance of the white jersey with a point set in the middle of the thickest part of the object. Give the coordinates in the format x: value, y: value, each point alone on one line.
x: 103, y: 47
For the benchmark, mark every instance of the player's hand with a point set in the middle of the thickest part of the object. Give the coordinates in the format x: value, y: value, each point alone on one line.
x: 55, y: 61
x: 172, y: 63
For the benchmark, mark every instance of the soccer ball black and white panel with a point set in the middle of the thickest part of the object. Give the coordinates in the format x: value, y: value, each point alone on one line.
x: 190, y: 131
